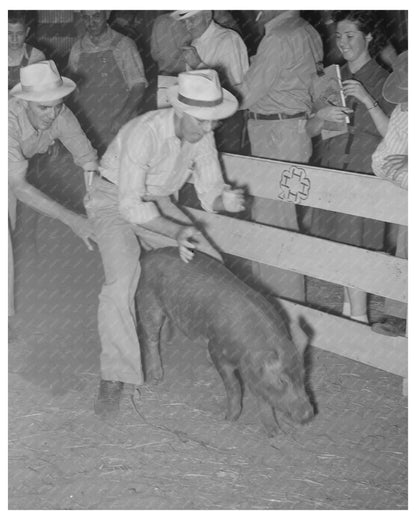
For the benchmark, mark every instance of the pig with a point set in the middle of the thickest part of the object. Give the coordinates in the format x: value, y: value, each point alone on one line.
x: 245, y: 332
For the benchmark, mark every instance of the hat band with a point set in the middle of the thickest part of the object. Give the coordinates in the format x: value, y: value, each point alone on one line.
x: 43, y: 87
x: 198, y: 103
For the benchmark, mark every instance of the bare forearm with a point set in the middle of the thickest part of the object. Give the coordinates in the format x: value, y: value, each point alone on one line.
x: 37, y: 200
x: 314, y: 126
x: 163, y: 226
x: 379, y: 118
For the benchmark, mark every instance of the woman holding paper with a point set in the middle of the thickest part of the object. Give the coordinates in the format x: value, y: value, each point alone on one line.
x: 359, y: 37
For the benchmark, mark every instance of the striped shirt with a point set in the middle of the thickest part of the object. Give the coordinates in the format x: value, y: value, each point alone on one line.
x: 395, y: 142
x: 146, y: 160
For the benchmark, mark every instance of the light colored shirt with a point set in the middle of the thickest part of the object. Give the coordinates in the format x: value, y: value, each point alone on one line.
x: 223, y: 50
x: 279, y: 77
x: 125, y: 54
x: 168, y: 36
x: 395, y: 142
x: 147, y: 160
x: 25, y: 141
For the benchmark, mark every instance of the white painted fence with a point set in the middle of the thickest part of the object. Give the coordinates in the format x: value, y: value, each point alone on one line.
x: 344, y: 192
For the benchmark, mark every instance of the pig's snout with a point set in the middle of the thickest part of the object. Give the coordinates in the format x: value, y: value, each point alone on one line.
x: 303, y: 414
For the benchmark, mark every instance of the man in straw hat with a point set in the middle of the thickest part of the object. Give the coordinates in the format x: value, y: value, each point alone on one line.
x: 149, y: 160
x: 38, y: 116
x: 390, y: 161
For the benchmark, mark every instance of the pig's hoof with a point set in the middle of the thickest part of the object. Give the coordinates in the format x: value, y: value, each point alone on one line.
x: 154, y: 379
x: 272, y: 431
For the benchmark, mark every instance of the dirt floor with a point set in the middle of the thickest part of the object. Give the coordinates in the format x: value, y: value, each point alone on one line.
x: 176, y: 451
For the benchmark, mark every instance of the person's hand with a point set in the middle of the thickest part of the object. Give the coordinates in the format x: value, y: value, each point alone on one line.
x: 395, y: 164
x: 186, y: 242
x: 336, y: 114
x: 354, y: 88
x: 191, y: 56
x: 233, y: 200
x: 189, y: 239
x: 82, y: 227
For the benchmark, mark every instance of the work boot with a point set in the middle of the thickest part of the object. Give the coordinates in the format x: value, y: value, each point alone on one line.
x: 108, y: 400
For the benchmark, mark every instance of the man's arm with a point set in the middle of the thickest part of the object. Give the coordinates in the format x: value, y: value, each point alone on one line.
x: 37, y: 200
x: 75, y: 141
x: 262, y: 72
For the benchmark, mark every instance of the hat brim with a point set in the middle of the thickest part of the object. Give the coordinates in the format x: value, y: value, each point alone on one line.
x: 53, y: 94
x: 392, y: 92
x: 180, y: 15
x: 227, y: 108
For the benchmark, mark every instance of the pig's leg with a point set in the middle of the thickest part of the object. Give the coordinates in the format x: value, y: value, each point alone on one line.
x: 151, y: 318
x: 230, y: 380
x: 267, y: 416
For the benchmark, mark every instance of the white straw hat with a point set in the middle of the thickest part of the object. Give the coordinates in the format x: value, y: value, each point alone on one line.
x: 395, y: 88
x: 41, y: 81
x: 183, y: 15
x: 200, y: 94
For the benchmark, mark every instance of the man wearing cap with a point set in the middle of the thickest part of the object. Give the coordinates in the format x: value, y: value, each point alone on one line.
x: 275, y: 90
x: 149, y: 160
x: 37, y: 116
x: 390, y: 161
x: 110, y: 76
x: 224, y: 50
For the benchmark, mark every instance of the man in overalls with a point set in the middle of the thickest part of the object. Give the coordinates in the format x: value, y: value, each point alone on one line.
x: 109, y: 73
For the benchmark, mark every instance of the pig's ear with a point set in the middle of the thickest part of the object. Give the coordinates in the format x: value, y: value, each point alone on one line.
x: 299, y: 338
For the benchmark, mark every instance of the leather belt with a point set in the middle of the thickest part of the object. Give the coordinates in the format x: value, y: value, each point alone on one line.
x: 277, y: 117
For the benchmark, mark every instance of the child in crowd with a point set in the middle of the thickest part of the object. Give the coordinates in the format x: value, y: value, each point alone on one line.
x: 20, y: 53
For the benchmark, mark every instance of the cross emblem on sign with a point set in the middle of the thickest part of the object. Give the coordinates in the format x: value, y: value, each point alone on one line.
x: 294, y: 185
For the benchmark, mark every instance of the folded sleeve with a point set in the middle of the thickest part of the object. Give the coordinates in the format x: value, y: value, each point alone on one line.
x: 208, y: 178
x: 130, y: 63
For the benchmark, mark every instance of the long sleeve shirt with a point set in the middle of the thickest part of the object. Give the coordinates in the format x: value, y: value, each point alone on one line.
x: 125, y: 54
x: 223, y: 50
x: 395, y: 142
x: 279, y: 77
x: 147, y: 160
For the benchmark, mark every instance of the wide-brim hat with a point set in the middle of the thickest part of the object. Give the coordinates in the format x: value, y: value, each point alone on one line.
x: 199, y: 94
x: 183, y: 15
x: 395, y: 88
x: 41, y: 81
